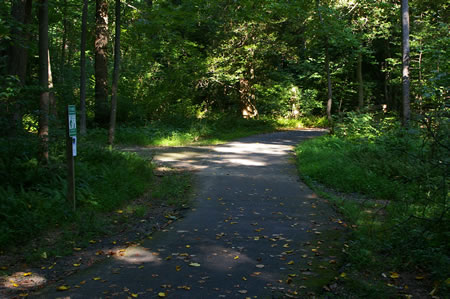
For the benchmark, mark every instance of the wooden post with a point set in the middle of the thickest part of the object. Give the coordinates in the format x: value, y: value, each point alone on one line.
x: 70, y: 164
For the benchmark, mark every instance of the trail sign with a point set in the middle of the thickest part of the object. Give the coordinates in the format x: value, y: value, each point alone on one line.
x: 72, y: 120
x: 71, y: 152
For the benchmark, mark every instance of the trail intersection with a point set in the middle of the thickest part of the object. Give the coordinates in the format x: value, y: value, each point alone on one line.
x: 248, y: 233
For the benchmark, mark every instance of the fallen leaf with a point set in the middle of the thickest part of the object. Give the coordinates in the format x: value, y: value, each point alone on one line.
x: 178, y: 268
x: 420, y: 277
x: 290, y: 262
x: 77, y: 248
x: 236, y: 257
x: 63, y: 288
x: 27, y: 274
x: 134, y: 295
x: 343, y: 274
x: 292, y: 275
x: 96, y: 278
x: 76, y: 265
x: 188, y: 246
x: 92, y: 241
x: 244, y: 278
x: 23, y: 295
x: 161, y: 294
x: 194, y: 264
x: 395, y: 275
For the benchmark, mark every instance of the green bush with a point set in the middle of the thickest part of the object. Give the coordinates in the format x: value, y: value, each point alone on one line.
x: 405, y: 168
x: 33, y: 199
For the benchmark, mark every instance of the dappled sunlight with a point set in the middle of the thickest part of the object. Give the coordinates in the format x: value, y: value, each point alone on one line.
x: 138, y: 255
x: 225, y: 259
x: 23, y: 281
x: 246, y: 162
x: 246, y: 148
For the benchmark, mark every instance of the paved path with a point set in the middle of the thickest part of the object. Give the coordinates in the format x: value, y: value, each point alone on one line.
x: 247, y: 231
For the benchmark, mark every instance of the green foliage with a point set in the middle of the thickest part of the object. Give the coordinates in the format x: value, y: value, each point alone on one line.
x: 405, y: 172
x: 33, y: 198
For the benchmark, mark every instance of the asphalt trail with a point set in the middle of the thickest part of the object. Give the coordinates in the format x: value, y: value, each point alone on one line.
x: 244, y: 235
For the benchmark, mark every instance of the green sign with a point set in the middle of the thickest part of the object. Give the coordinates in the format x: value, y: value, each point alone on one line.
x: 72, y: 121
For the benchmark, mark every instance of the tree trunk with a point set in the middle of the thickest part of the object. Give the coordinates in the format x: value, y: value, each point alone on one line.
x: 83, y: 69
x: 112, y: 121
x: 18, y: 54
x: 327, y: 68
x: 248, y: 108
x: 330, y: 90
x: 360, y: 82
x: 405, y: 63
x: 101, y: 63
x: 64, y: 42
x: 52, y: 101
x: 43, y: 80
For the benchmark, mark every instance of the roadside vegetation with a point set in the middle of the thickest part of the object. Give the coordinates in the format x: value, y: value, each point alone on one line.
x: 33, y: 198
x: 391, y: 185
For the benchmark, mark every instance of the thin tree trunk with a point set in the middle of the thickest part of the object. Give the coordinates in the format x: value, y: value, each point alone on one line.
x: 405, y: 63
x: 101, y: 63
x: 52, y: 101
x: 83, y: 69
x: 43, y: 80
x: 112, y: 122
x: 330, y: 90
x: 360, y: 82
x: 420, y: 95
x: 327, y: 68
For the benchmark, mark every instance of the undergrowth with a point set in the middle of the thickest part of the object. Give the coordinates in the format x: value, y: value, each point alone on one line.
x: 208, y: 131
x: 404, y: 223
x: 33, y: 197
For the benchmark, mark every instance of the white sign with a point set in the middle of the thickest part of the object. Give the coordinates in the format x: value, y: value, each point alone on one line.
x: 74, y: 146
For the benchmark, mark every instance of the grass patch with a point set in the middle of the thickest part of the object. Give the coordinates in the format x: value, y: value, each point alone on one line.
x: 210, y: 131
x: 403, y: 223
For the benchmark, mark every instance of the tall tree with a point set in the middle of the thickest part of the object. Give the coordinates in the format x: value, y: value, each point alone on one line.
x: 327, y: 65
x: 360, y: 82
x: 18, y: 51
x: 101, y: 63
x: 405, y: 62
x: 83, y: 68
x: 112, y: 121
x: 43, y: 80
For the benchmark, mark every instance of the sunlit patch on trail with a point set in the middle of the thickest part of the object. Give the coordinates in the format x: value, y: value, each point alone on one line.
x: 137, y: 255
x: 23, y: 281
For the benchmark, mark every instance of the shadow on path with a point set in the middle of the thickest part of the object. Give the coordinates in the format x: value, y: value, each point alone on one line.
x: 247, y: 231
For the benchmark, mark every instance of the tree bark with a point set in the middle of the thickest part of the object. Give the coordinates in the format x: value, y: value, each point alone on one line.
x: 405, y: 63
x: 43, y: 80
x: 327, y: 69
x: 360, y: 82
x: 112, y: 121
x: 101, y: 63
x: 83, y: 68
x: 18, y: 54
x: 52, y: 100
x: 330, y: 90
x: 64, y: 42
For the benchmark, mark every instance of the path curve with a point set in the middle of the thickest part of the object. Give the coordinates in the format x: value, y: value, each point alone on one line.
x: 251, y: 219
